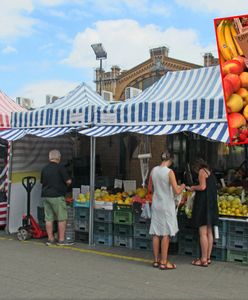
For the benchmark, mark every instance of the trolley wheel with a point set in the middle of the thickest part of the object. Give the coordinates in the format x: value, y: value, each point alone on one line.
x: 23, y: 234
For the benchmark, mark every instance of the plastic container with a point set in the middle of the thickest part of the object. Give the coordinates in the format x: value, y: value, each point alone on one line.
x: 123, y: 230
x: 82, y: 226
x: 123, y: 217
x: 142, y: 244
x: 101, y: 228
x: 125, y: 242
x: 102, y: 215
x: 188, y: 248
x: 219, y: 254
x: 82, y: 237
x: 103, y: 239
x: 82, y: 213
x: 237, y: 228
x: 237, y: 256
x: 138, y: 220
x: 141, y: 231
x: 237, y: 242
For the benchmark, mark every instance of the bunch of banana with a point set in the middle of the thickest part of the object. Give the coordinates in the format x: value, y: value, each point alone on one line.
x: 228, y: 46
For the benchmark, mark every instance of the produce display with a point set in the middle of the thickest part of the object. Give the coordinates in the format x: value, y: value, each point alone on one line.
x: 234, y: 67
x: 231, y: 202
x: 139, y: 195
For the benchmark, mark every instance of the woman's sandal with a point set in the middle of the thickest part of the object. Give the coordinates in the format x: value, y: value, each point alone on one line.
x: 167, y: 266
x: 209, y: 261
x: 199, y: 263
x: 155, y: 264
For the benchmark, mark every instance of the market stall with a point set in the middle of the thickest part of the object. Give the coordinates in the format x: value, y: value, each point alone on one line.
x: 7, y: 106
x: 186, y: 101
x: 36, y: 132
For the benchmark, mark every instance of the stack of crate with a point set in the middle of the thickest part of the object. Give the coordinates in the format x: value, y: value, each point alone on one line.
x: 81, y: 223
x: 70, y: 231
x: 123, y: 225
x: 188, y: 237
x: 103, y: 227
x: 219, y: 251
x: 142, y: 239
x: 237, y: 241
x: 189, y: 244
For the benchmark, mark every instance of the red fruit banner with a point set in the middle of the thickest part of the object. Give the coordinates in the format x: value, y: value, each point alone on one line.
x: 232, y: 42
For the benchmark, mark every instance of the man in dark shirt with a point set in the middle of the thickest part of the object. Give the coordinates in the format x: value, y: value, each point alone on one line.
x: 55, y: 180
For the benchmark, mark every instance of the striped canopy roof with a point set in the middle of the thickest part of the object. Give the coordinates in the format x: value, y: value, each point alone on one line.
x: 7, y: 106
x: 74, y: 109
x: 189, y: 100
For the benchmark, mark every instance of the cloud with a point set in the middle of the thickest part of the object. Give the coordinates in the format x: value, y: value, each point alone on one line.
x: 37, y: 91
x: 8, y: 50
x: 127, y: 44
x: 141, y: 7
x: 223, y: 8
x: 14, y: 19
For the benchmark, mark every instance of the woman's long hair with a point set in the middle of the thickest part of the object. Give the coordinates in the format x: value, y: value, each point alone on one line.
x: 199, y: 164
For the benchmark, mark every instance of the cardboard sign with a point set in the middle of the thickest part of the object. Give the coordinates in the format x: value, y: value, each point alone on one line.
x: 75, y: 193
x: 242, y: 40
x: 85, y: 189
x: 118, y: 183
x: 129, y: 185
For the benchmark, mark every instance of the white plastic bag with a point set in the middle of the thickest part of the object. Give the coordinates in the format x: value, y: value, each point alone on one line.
x: 146, y: 211
x: 190, y: 201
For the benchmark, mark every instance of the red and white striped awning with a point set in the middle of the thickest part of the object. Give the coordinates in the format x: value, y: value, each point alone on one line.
x: 7, y: 106
x: 3, y: 213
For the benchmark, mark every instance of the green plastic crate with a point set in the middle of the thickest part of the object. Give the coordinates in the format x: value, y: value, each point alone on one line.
x: 237, y: 256
x: 123, y: 230
x: 123, y: 217
x: 219, y: 254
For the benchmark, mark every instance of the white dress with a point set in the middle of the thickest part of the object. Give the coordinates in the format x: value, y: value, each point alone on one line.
x: 163, y: 217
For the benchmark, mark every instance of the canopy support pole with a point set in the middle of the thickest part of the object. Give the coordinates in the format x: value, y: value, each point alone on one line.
x: 10, y: 161
x: 92, y: 188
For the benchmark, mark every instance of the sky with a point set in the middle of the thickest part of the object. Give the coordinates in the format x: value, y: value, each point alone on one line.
x: 45, y: 45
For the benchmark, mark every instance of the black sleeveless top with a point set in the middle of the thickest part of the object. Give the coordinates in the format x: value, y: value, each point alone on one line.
x: 205, y: 206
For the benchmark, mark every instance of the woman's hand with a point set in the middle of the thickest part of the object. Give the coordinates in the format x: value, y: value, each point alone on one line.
x: 191, y: 188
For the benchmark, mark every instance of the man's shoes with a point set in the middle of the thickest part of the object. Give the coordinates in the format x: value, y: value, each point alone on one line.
x: 50, y: 243
x: 64, y: 243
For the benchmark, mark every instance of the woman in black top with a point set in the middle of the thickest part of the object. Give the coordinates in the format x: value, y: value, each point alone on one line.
x: 205, y: 210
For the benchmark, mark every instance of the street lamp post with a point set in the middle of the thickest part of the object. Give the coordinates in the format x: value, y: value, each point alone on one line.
x: 100, y: 55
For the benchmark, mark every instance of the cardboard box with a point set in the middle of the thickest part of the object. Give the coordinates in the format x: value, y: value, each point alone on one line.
x: 242, y: 40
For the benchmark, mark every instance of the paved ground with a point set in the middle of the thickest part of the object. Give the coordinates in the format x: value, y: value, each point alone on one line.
x: 31, y: 270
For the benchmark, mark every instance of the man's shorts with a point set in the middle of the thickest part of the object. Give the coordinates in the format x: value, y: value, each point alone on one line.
x: 55, y: 209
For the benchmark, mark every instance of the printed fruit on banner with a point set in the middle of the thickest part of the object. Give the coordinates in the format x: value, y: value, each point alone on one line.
x: 245, y: 112
x: 243, y: 92
x: 228, y: 88
x: 236, y: 120
x: 232, y: 66
x: 241, y: 59
x: 224, y: 49
x: 235, y: 81
x: 235, y: 103
x: 229, y: 39
x: 244, y: 79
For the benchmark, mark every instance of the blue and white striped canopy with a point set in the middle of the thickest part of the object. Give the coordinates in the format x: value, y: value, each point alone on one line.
x: 189, y: 100
x: 16, y: 134
x: 74, y: 109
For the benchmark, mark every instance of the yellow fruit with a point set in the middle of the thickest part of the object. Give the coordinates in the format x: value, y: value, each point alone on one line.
x: 234, y: 33
x: 229, y: 39
x: 224, y: 49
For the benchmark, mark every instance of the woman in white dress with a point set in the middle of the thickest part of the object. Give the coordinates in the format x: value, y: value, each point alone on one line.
x: 164, y: 185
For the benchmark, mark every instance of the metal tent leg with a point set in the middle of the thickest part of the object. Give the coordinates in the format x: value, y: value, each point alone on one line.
x: 92, y: 188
